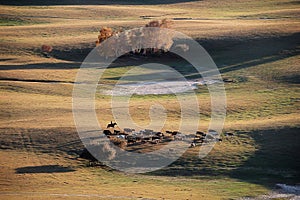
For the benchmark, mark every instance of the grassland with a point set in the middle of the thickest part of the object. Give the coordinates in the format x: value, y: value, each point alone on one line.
x: 254, y: 43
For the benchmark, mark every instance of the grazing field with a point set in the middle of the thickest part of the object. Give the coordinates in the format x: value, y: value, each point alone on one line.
x: 255, y: 45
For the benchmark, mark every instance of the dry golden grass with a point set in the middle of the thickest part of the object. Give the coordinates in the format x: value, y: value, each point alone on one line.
x: 85, y: 183
x: 29, y: 109
x: 79, y: 24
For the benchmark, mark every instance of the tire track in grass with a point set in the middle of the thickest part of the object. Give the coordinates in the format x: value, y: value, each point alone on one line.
x: 36, y: 160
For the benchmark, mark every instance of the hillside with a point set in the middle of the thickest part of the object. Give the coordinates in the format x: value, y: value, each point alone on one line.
x: 255, y: 45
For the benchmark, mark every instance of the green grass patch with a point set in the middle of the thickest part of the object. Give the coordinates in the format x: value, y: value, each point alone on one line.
x: 18, y: 22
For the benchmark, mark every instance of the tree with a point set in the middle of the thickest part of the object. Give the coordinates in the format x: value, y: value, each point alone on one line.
x: 158, y: 39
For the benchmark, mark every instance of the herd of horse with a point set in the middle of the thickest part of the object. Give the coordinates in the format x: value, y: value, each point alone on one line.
x: 131, y: 136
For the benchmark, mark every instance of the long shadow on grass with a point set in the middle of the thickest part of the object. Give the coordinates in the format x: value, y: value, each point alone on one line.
x: 43, y: 169
x: 228, y: 53
x: 88, y: 2
x: 41, y: 66
x: 276, y: 160
x: 237, y: 53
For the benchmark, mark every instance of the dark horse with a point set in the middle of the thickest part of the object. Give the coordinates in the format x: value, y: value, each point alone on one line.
x: 111, y: 124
